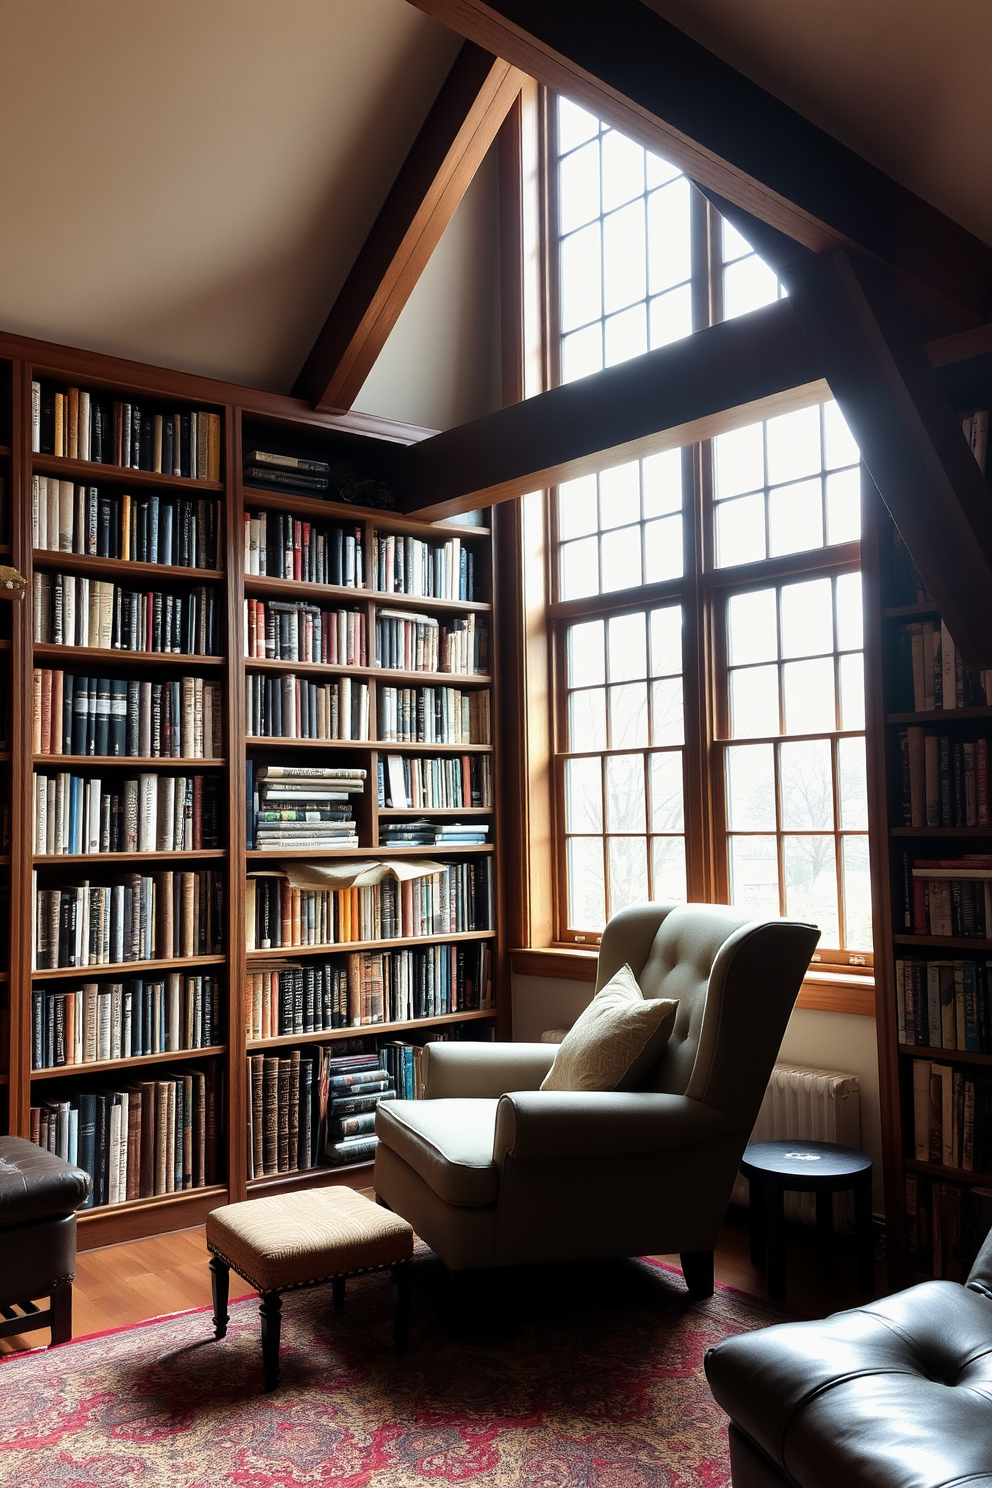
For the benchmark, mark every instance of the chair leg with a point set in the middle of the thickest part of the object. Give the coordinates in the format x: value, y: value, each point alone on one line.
x: 402, y: 1274
x: 337, y: 1291
x: 60, y: 1303
x: 220, y: 1276
x: 824, y: 1221
x: 775, y: 1239
x: 756, y: 1221
x: 697, y: 1268
x: 271, y: 1314
x: 864, y: 1234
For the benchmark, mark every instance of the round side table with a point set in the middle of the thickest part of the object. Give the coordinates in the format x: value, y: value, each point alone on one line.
x: 807, y: 1167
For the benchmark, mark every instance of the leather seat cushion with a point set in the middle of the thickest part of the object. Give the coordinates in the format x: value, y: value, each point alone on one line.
x: 35, y: 1184
x: 448, y: 1142
x: 897, y: 1394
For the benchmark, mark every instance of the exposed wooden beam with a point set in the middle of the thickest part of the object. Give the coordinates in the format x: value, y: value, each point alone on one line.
x: 461, y: 126
x: 665, y: 398
x: 631, y: 67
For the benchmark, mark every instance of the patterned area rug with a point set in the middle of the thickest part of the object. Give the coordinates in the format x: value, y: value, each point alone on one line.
x: 576, y: 1377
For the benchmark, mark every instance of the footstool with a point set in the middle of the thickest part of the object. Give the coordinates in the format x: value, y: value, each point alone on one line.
x: 289, y: 1241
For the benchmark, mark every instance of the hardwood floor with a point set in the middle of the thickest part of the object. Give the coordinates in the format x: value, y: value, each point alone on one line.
x: 124, y: 1284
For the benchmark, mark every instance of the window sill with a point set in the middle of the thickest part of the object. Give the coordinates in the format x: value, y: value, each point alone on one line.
x: 823, y: 991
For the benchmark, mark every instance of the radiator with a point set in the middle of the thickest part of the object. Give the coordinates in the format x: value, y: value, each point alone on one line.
x: 820, y: 1106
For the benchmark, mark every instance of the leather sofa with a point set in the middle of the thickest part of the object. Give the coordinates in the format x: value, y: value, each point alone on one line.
x: 896, y: 1394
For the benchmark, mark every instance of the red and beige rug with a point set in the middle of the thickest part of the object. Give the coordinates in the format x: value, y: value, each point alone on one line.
x: 581, y: 1377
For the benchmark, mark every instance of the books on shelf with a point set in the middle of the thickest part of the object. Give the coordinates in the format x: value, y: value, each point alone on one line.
x: 310, y: 1104
x: 944, y: 779
x: 948, y: 896
x: 175, y: 530
x: 952, y: 1116
x: 290, y: 473
x: 76, y: 611
x: 301, y: 806
x: 433, y: 715
x: 364, y: 988
x: 946, y: 1225
x: 408, y: 565
x: 151, y: 1136
x: 426, y: 833
x: 135, y: 917
x: 123, y: 1020
x: 111, y: 716
x: 381, y: 900
x: 82, y: 425
x: 290, y: 707
x: 298, y: 631
x: 447, y: 783
x: 150, y: 813
x: 929, y: 673
x: 420, y: 643
x: 975, y: 428
x: 285, y: 547
x: 945, y: 1004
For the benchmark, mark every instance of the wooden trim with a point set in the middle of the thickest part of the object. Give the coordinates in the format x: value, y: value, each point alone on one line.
x: 838, y: 994
x: 472, y: 104
x: 555, y: 961
x: 113, y: 1223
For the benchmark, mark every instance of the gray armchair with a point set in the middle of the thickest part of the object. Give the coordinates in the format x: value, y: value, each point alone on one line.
x: 492, y: 1171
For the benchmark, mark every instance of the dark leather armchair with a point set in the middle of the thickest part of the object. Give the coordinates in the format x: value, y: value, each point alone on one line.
x: 39, y: 1196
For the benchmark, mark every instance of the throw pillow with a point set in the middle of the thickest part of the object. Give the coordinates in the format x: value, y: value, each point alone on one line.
x: 615, y: 1040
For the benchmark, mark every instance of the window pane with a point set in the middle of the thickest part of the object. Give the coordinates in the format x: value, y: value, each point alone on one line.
x: 626, y: 335
x: 852, y: 691
x: 623, y: 169
x: 586, y: 888
x: 838, y: 441
x: 579, y: 568
x: 668, y: 867
x: 624, y: 271
x: 579, y: 187
x: 669, y: 241
x: 857, y: 893
x: 793, y: 445
x: 583, y: 795
x: 850, y: 632
x: 754, y: 874
x: 587, y: 720
x: 795, y: 518
x: 666, y: 698
x: 662, y: 481
x: 738, y: 461
x: 620, y: 495
x: 666, y: 641
x: 734, y: 246
x: 582, y: 353
x: 666, y: 792
x: 754, y: 702
x: 628, y: 647
x: 740, y: 531
x: 747, y: 285
x: 844, y: 506
x: 658, y: 170
x: 807, y: 618
x: 752, y: 627
x: 809, y: 696
x: 581, y: 290
x: 575, y: 125
x: 625, y: 811
x: 853, y: 790
x: 585, y: 654
x: 811, y: 883
x: 751, y: 787
x: 628, y: 860
x: 629, y: 716
x: 807, y: 785
x: 663, y: 550
x: 621, y: 557
x: 671, y: 316
x: 577, y: 511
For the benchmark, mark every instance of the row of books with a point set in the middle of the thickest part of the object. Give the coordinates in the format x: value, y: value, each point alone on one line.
x: 421, y: 643
x: 285, y: 547
x: 81, y: 425
x: 292, y: 473
x: 948, y: 896
x: 122, y: 718
x: 975, y: 428
x: 301, y: 805
x: 150, y: 813
x: 404, y: 1065
x: 929, y: 673
x: 309, y: 1104
x: 946, y: 1225
x: 443, y: 784
x: 176, y: 530
x: 137, y: 917
x: 367, y: 987
x: 123, y: 1020
x: 421, y: 832
x: 952, y: 1117
x: 433, y: 715
x: 74, y: 611
x: 446, y: 900
x: 945, y: 1004
x: 297, y: 631
x: 290, y: 707
x: 150, y: 1137
x: 945, y: 780
x: 407, y: 565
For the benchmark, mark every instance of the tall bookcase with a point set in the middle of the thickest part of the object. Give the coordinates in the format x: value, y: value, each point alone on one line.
x: 7, y: 618
x: 352, y: 444
x: 930, y: 797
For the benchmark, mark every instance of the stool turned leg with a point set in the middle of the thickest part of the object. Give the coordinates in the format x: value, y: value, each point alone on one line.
x: 401, y: 1277
x: 60, y: 1303
x: 756, y: 1221
x: 697, y: 1268
x: 220, y: 1276
x: 271, y: 1313
x: 775, y: 1231
x: 337, y: 1291
x: 864, y: 1232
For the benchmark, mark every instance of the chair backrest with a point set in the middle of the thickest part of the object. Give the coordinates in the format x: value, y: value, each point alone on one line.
x: 736, y: 979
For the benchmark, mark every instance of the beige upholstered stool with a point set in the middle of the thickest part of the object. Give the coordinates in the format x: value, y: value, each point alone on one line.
x: 300, y: 1240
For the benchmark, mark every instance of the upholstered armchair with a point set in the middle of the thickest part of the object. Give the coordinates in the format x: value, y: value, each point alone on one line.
x: 493, y: 1171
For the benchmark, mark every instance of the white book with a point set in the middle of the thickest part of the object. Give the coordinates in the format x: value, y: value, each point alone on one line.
x: 147, y: 813
x: 116, y: 1020
x: 93, y: 816
x: 36, y: 417
x: 39, y: 534
x: 103, y: 1025
x: 173, y: 1036
x: 84, y: 424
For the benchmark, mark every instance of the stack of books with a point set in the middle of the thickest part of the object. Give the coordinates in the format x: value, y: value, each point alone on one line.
x: 303, y: 806
x: 356, y: 1083
x: 287, y: 473
x: 420, y: 831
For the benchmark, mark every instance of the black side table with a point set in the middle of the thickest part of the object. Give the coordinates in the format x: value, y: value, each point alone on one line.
x: 808, y: 1167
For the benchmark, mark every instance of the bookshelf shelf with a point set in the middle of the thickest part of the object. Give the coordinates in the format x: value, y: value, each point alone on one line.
x: 128, y: 761
x: 99, y: 656
x: 938, y: 832
x: 946, y: 1056
x: 4, y: 449
x: 344, y: 947
x: 105, y: 1066
x: 940, y: 715
x: 386, y: 675
x: 261, y: 586
x: 321, y: 1176
x: 193, y: 854
x: 127, y: 968
x: 388, y: 850
x: 262, y: 741
x: 122, y: 568
x: 419, y: 811
x: 950, y: 1175
x: 908, y: 611
x: 180, y: 1197
x: 315, y: 506
x: 92, y: 473
x: 944, y: 942
x: 408, y: 1026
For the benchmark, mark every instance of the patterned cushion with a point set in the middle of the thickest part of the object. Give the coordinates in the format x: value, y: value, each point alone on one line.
x: 615, y: 1040
x: 289, y: 1239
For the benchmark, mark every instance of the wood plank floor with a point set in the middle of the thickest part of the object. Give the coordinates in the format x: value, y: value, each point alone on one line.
x: 124, y: 1284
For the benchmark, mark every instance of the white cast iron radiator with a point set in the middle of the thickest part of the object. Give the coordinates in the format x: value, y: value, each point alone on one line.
x: 820, y: 1106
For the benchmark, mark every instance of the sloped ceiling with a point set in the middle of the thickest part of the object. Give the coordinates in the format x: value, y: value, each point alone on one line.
x: 905, y: 83
x: 187, y: 182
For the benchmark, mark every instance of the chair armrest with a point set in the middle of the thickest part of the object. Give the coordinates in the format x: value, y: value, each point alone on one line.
x: 559, y: 1125
x: 980, y: 1275
x: 484, y: 1070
